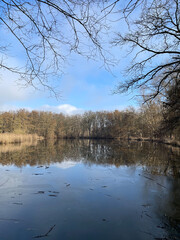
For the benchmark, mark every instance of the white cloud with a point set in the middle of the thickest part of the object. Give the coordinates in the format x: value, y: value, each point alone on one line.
x: 64, y: 108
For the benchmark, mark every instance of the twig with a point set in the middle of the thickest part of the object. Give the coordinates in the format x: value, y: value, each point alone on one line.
x: 10, y: 219
x: 146, y: 177
x: 161, y: 185
x: 46, y: 234
x: 4, y: 182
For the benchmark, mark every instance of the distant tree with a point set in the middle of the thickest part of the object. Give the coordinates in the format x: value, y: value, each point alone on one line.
x: 7, y: 122
x: 60, y: 122
x: 151, y: 118
x: 34, y: 122
x: 21, y: 121
x: 1, y: 123
x: 87, y: 123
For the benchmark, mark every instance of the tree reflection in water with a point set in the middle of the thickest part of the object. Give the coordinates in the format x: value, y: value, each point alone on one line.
x: 160, y: 165
x: 158, y: 159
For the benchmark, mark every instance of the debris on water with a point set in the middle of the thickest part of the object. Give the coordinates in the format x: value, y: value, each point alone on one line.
x: 108, y: 195
x: 46, y: 234
x: 67, y: 185
x: 53, y: 192
x: 152, y: 180
x: 4, y: 182
x: 160, y: 185
x: 146, y: 177
x: 146, y: 205
x: 148, y: 215
x: 10, y: 219
x: 37, y: 174
x: 103, y: 219
x: 46, y: 167
x: 29, y: 229
x: 18, y: 203
x: 91, y: 189
x: 104, y: 186
x: 52, y: 195
x: 40, y: 192
x: 39, y: 166
x: 162, y: 227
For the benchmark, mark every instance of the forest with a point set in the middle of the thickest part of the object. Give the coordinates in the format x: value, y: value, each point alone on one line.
x: 151, y: 121
x: 152, y: 37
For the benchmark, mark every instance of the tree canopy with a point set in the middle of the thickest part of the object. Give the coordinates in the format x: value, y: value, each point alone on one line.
x: 154, y: 37
x: 48, y: 31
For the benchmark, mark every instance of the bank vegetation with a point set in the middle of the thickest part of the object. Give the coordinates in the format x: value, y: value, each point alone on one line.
x: 155, y: 121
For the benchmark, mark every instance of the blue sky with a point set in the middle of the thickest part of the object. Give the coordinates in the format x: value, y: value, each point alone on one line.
x: 85, y: 85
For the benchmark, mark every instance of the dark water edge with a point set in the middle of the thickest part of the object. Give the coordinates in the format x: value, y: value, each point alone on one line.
x: 167, y: 141
x: 90, y: 189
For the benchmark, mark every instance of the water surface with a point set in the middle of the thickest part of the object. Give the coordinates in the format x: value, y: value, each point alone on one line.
x: 89, y: 190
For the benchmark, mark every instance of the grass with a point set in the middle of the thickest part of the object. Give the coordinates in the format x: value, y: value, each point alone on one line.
x: 6, y: 138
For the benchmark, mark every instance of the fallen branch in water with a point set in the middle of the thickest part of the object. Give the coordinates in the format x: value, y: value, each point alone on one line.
x: 10, y: 219
x: 146, y: 177
x: 46, y: 234
x: 152, y: 180
x: 4, y: 182
x: 160, y: 185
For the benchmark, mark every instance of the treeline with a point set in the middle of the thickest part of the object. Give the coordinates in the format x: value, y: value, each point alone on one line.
x: 147, y: 122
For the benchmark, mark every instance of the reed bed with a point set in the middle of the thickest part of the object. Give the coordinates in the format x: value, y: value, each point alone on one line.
x: 6, y: 138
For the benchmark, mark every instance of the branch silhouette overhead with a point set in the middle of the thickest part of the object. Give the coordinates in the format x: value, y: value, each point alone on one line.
x: 48, y: 32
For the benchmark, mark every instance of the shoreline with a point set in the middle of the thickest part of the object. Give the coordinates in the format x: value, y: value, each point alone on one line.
x: 13, y: 138
x: 170, y: 142
x: 174, y: 143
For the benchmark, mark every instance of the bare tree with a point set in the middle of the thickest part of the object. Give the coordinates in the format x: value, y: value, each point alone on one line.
x: 153, y: 39
x: 46, y: 32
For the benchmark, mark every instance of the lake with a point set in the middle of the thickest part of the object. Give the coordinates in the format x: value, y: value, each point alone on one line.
x: 90, y: 190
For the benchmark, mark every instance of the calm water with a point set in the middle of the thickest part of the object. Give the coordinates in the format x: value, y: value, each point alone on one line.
x: 89, y: 190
